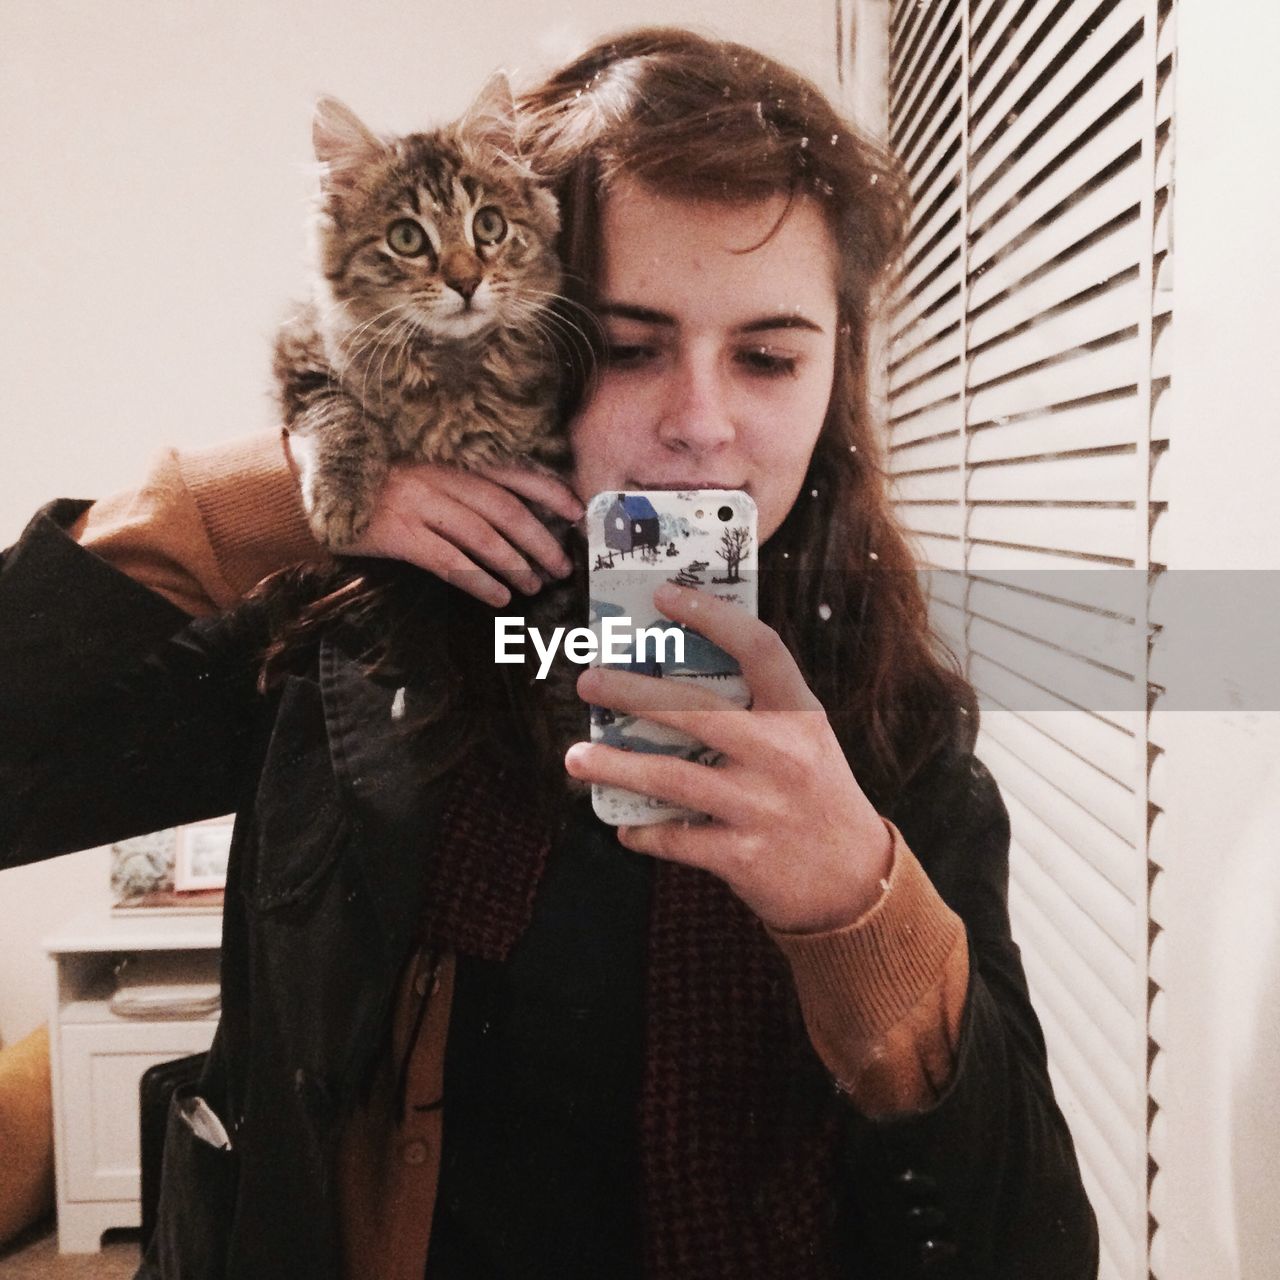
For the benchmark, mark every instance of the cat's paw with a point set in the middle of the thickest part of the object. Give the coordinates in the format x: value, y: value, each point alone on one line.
x: 337, y: 521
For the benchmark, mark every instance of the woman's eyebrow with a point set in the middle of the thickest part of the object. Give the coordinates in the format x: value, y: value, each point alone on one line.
x: 629, y: 311
x: 647, y: 315
x: 790, y: 320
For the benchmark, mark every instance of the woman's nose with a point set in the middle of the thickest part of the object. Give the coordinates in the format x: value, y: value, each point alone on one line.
x: 696, y: 414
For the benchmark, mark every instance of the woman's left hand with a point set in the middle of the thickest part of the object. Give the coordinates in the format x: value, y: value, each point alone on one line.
x: 791, y: 832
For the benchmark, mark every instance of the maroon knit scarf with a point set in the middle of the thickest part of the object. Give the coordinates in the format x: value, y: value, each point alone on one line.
x: 737, y: 1169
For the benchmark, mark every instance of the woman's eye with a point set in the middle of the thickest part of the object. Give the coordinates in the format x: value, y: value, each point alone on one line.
x: 407, y: 238
x: 489, y: 225
x: 769, y: 364
x: 627, y: 355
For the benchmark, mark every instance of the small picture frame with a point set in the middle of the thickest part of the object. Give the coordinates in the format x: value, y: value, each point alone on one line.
x: 200, y: 860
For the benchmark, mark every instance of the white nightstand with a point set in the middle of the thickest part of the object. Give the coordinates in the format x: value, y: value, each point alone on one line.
x: 98, y: 1058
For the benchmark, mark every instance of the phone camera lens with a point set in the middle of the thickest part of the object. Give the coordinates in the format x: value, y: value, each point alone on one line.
x: 725, y: 514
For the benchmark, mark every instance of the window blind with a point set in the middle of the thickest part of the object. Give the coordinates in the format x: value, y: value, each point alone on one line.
x: 1027, y: 386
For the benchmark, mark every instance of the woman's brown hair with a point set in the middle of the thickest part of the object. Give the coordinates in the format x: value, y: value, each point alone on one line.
x: 696, y: 117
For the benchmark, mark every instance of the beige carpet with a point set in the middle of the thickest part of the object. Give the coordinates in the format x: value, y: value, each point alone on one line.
x: 34, y: 1256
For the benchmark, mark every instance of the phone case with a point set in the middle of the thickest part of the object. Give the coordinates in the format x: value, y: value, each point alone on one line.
x: 703, y: 538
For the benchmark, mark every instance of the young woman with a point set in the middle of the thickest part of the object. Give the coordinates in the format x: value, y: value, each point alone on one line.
x: 467, y: 1029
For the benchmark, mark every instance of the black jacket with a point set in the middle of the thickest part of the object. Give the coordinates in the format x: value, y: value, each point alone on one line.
x: 120, y: 715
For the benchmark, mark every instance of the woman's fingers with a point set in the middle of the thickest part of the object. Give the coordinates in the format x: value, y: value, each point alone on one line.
x: 699, y: 787
x: 539, y: 486
x: 770, y: 671
x: 412, y: 542
x: 469, y: 528
x: 705, y: 716
x: 707, y: 845
x: 476, y: 536
x: 505, y: 512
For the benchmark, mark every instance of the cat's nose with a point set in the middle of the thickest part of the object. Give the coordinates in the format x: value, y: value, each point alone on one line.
x: 461, y: 272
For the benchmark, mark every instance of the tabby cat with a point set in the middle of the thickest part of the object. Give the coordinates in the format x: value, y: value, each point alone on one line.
x: 428, y: 337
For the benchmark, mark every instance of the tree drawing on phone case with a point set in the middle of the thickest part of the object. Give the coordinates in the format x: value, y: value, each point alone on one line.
x: 637, y: 540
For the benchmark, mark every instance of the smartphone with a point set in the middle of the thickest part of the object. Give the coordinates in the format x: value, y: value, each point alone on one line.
x: 636, y: 541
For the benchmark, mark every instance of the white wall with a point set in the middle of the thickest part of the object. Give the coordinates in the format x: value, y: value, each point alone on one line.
x: 154, y: 186
x: 1220, y: 1021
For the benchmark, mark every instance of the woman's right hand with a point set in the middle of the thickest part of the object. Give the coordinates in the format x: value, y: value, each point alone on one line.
x: 471, y: 528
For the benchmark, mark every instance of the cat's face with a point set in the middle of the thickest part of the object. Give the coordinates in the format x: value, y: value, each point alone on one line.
x: 434, y: 232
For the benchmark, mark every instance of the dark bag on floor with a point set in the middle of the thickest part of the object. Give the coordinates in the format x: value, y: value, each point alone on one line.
x: 155, y: 1090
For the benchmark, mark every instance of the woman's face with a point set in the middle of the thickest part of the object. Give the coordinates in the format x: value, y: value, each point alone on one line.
x: 720, y: 361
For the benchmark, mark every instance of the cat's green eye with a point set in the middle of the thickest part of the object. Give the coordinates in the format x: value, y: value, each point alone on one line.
x: 488, y: 225
x: 407, y: 238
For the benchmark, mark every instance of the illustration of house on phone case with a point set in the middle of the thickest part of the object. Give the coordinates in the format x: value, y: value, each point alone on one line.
x: 631, y: 524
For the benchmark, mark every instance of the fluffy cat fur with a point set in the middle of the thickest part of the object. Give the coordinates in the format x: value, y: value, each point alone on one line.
x: 428, y: 337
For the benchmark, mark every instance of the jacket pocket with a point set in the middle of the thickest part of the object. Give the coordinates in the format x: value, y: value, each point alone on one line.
x: 197, y: 1199
x: 298, y: 817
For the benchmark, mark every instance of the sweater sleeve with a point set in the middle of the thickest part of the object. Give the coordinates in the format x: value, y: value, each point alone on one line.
x: 206, y: 525
x: 883, y: 998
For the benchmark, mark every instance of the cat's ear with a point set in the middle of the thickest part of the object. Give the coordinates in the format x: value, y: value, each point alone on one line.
x: 342, y: 144
x: 491, y: 118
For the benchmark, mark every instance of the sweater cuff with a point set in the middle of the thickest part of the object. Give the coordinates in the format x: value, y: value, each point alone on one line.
x: 856, y: 983
x: 252, y: 511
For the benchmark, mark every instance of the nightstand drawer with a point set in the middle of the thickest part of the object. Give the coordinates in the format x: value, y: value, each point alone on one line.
x: 101, y: 1067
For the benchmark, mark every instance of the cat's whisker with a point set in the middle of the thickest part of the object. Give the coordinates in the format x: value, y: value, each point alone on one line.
x: 405, y: 331
x: 560, y: 334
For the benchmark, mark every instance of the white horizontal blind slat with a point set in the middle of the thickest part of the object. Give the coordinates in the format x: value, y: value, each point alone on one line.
x: 1085, y: 633
x: 944, y: 518
x: 1056, y: 282
x: 1089, y: 214
x: 926, y: 486
x: 1106, y: 747
x: 1108, y: 1125
x: 1108, y: 800
x: 919, y: 323
x: 1024, y: 195
x: 1084, y: 1010
x: 1090, y: 424
x: 943, y: 451
x: 997, y: 29
x: 936, y: 53
x: 927, y: 359
x: 906, y: 55
x: 925, y: 140
x: 1032, y: 117
x: 1111, y: 42
x: 1004, y: 45
x: 1094, y: 864
x: 932, y: 422
x: 1100, y: 477
x: 1089, y: 946
x: 942, y: 553
x: 942, y: 384
x: 1072, y: 325
x: 1110, y: 366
